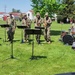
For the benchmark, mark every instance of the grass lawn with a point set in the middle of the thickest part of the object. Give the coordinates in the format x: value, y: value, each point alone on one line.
x: 59, y: 58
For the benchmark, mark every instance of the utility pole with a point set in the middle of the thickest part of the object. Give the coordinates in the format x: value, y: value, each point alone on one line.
x: 5, y: 8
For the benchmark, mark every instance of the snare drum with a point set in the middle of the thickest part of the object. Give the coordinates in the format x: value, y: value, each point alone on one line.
x: 68, y: 39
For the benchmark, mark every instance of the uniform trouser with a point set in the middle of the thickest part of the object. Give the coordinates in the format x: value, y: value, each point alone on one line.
x: 47, y: 34
x: 10, y: 34
x: 38, y: 37
x: 26, y: 35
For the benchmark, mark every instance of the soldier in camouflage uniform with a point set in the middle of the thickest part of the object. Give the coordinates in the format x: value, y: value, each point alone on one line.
x: 38, y: 22
x: 47, y: 24
x: 12, y: 25
x: 26, y: 22
x: 20, y: 17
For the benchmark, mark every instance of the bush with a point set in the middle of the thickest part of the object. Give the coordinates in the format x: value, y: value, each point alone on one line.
x: 59, y: 18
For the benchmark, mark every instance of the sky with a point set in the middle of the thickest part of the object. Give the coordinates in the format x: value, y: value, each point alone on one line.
x: 8, y: 5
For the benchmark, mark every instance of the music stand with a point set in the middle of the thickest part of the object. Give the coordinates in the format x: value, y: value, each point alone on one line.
x: 12, y: 56
x: 39, y: 27
x: 33, y: 32
x: 4, y: 26
x: 22, y: 27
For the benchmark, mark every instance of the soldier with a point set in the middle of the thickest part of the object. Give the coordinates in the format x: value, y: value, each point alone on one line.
x: 47, y: 24
x: 12, y: 25
x: 20, y: 17
x: 38, y: 22
x: 26, y: 21
x: 29, y: 21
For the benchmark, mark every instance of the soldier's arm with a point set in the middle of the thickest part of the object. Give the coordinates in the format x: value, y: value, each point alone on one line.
x: 22, y: 21
x: 15, y: 23
x: 34, y: 20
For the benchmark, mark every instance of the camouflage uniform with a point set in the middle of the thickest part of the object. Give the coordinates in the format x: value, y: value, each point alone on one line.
x: 26, y: 22
x: 11, y: 30
x: 38, y: 22
x: 20, y: 17
x: 47, y: 24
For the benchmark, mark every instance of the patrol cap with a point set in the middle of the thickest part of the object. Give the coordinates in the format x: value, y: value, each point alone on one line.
x: 46, y: 14
x: 24, y: 14
x: 38, y: 14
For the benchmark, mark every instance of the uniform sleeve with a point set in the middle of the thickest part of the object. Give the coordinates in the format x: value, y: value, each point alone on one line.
x: 34, y: 20
x: 22, y: 21
x: 15, y: 23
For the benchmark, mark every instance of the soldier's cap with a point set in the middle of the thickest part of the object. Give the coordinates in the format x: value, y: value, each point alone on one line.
x: 38, y: 14
x: 46, y: 13
x: 25, y: 14
x: 10, y: 13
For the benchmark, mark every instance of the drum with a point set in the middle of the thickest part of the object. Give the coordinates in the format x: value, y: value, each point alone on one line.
x: 68, y: 39
x: 63, y: 33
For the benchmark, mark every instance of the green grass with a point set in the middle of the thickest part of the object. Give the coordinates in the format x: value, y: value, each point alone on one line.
x: 59, y: 57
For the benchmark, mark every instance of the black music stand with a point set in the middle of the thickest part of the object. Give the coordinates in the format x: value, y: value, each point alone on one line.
x: 22, y: 27
x: 39, y: 27
x: 11, y: 54
x: 4, y: 26
x: 33, y: 32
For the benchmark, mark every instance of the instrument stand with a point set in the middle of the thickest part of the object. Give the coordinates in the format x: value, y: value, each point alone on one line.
x: 11, y: 42
x: 22, y: 41
x: 12, y: 53
x: 12, y: 56
x: 32, y: 57
x: 33, y: 31
x: 0, y: 44
x: 4, y: 26
x: 5, y: 35
x: 22, y: 27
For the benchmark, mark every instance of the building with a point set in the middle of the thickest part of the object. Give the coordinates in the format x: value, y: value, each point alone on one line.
x: 30, y: 14
x: 2, y: 14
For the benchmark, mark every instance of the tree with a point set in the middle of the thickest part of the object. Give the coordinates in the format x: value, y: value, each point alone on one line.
x: 69, y: 10
x: 43, y: 6
x: 14, y: 10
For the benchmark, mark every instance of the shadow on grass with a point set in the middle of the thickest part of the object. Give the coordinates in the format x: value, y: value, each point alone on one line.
x: 44, y: 42
x: 37, y: 57
x: 16, y: 40
x: 0, y: 44
x: 55, y: 32
x: 0, y: 38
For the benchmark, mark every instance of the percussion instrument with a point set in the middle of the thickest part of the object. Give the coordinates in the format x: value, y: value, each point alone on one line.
x: 67, y: 39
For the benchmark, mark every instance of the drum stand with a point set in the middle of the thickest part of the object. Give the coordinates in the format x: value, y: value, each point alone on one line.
x: 22, y: 27
x: 5, y: 35
x: 33, y: 31
x: 22, y: 41
x: 4, y: 26
x: 12, y: 56
x: 12, y: 51
x: 32, y: 57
